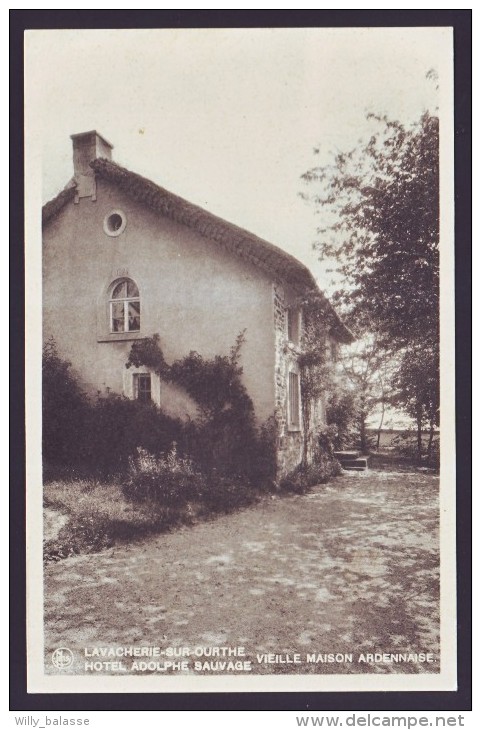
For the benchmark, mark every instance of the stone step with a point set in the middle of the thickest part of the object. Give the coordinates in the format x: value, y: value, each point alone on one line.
x: 346, y: 455
x: 354, y: 464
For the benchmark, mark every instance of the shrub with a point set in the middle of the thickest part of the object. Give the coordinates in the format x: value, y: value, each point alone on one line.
x: 175, y: 481
x: 65, y: 410
x: 118, y: 426
x: 225, y: 440
x: 99, y: 438
x: 433, y: 459
x: 342, y: 413
x: 226, y: 494
x: 406, y: 445
x: 323, y: 467
x: 95, y: 438
x: 304, y: 477
x: 168, y: 480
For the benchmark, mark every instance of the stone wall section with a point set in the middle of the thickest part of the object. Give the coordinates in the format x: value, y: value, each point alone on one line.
x: 289, y: 442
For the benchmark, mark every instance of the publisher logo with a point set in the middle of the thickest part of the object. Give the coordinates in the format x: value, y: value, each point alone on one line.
x: 62, y: 658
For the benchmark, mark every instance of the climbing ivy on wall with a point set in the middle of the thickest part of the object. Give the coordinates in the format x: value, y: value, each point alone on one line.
x: 225, y: 437
x: 215, y: 384
x: 315, y: 368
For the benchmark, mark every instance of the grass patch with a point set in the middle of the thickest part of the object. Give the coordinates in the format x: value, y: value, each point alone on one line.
x: 100, y: 516
x: 387, y: 460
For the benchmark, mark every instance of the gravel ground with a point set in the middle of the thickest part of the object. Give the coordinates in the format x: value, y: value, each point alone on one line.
x: 348, y: 570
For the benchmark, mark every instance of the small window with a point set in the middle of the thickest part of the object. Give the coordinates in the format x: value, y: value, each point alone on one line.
x: 125, y: 307
x: 293, y: 325
x: 334, y: 349
x: 142, y: 387
x: 294, y: 402
x: 114, y: 223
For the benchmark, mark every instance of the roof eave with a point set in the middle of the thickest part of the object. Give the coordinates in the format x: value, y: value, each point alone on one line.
x: 54, y: 206
x: 261, y: 253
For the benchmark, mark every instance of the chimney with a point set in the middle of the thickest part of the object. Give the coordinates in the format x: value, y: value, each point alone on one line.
x: 87, y: 147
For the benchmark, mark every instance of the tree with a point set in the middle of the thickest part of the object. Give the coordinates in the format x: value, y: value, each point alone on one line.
x: 381, y: 201
x: 366, y: 366
x: 365, y: 369
x: 417, y: 383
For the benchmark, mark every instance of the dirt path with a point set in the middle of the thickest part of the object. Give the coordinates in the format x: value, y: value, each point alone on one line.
x: 351, y: 568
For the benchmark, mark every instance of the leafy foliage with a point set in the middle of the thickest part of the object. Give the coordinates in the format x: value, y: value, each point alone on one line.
x: 381, y: 202
x: 147, y: 352
x: 101, y: 436
x: 341, y: 413
x: 95, y: 437
x: 417, y: 384
x: 367, y: 369
x: 383, y: 199
x: 117, y: 426
x: 176, y: 481
x: 65, y: 410
x: 225, y: 439
x: 322, y: 468
x: 169, y: 479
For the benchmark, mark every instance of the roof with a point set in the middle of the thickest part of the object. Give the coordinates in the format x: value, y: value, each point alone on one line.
x: 239, y: 241
x: 53, y: 206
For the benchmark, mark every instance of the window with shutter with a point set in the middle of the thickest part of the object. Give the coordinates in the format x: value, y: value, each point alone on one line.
x: 293, y: 325
x: 294, y: 402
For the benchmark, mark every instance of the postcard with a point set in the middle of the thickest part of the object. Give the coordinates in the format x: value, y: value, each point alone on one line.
x: 240, y: 360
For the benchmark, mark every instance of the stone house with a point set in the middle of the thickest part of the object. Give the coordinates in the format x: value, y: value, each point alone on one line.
x: 123, y: 258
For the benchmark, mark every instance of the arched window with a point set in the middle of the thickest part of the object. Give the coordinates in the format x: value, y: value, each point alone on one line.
x: 124, y: 307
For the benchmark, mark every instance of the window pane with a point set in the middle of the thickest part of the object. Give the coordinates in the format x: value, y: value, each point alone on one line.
x: 120, y: 291
x: 293, y: 325
x: 142, y: 387
x: 294, y: 399
x: 117, y: 316
x: 134, y: 316
x: 132, y: 290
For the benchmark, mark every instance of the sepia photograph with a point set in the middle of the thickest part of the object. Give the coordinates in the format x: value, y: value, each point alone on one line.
x: 240, y: 360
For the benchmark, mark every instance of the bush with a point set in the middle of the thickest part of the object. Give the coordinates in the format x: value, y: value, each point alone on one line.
x: 65, y: 411
x: 101, y: 437
x: 119, y: 426
x: 303, y: 478
x: 406, y: 445
x: 341, y: 414
x: 169, y: 480
x: 225, y: 440
x: 231, y: 446
x: 320, y: 471
x: 175, y: 481
x: 224, y: 494
x: 433, y: 460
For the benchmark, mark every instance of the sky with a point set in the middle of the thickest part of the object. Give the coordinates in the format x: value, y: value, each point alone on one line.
x: 226, y: 118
